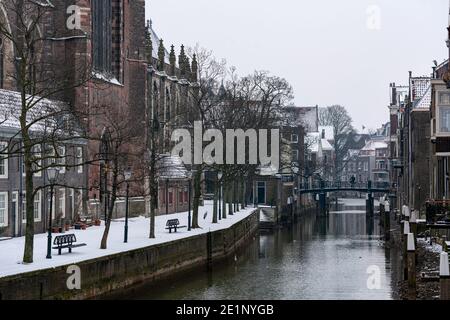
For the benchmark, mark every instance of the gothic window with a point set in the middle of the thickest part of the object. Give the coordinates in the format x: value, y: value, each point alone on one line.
x: 102, y: 35
x: 2, y: 73
x: 168, y: 106
x: 156, y: 102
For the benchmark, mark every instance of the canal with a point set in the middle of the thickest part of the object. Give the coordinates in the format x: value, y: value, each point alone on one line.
x: 317, y: 258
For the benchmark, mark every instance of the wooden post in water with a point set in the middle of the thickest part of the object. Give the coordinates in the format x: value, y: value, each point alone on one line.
x: 411, y: 265
x: 444, y: 277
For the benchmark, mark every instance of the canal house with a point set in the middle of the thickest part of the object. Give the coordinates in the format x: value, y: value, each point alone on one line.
x: 69, y: 195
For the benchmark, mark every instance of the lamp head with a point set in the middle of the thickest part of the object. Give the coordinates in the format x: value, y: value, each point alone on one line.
x: 52, y: 174
x: 128, y: 173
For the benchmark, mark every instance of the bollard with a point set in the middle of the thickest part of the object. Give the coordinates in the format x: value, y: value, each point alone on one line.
x: 411, y: 266
x: 407, y: 213
x: 406, y: 231
x: 413, y: 225
x: 387, y: 220
x: 444, y: 277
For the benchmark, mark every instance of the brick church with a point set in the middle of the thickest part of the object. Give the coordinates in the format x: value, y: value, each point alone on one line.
x: 132, y: 73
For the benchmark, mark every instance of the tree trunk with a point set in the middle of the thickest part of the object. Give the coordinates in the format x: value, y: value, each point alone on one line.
x: 235, y: 196
x: 104, y: 242
x: 29, y: 190
x: 224, y: 201
x: 216, y: 200
x: 230, y: 198
x: 197, y: 195
x: 242, y: 193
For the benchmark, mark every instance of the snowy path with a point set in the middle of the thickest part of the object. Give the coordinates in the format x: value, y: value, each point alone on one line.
x: 11, y: 251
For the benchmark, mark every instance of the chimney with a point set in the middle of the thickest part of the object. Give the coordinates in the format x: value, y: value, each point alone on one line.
x: 394, y: 95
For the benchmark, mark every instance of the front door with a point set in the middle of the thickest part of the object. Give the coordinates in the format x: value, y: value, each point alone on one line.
x: 261, y: 191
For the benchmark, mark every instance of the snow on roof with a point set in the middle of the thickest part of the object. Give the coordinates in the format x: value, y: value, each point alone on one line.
x: 329, y: 132
x: 155, y: 45
x: 326, y: 146
x: 268, y: 171
x: 316, y: 143
x: 172, y: 168
x: 45, y: 112
x: 374, y: 145
x: 421, y: 92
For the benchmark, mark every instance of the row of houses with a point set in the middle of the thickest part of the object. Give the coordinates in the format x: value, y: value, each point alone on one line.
x: 420, y: 138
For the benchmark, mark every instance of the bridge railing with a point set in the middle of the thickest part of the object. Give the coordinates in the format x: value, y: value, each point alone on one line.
x: 343, y: 185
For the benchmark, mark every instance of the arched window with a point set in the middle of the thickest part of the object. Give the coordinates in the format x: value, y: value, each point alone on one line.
x: 102, y: 35
x: 168, y: 105
x: 155, y: 102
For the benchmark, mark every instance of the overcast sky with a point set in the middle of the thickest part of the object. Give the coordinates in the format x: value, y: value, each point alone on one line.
x: 331, y: 51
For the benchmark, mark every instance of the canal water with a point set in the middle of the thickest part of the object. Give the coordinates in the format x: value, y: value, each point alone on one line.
x: 331, y: 257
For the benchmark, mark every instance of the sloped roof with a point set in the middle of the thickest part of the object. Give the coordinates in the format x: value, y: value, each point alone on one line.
x: 155, y: 45
x: 172, y: 168
x: 374, y: 145
x: 44, y: 113
x: 421, y: 92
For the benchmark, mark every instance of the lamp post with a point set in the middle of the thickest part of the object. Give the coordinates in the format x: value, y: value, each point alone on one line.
x: 189, y: 176
x: 52, y: 174
x: 127, y: 174
x: 219, y: 176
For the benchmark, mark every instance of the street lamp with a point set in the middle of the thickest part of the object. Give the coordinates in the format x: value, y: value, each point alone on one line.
x: 189, y: 176
x: 52, y: 174
x: 127, y: 174
x: 219, y: 176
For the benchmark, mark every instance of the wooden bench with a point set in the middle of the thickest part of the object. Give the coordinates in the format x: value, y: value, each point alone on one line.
x: 66, y: 241
x: 173, y: 224
x: 87, y: 220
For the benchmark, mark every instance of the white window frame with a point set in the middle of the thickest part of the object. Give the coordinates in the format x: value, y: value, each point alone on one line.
x: 296, y: 155
x: 62, y: 195
x: 296, y: 138
x: 38, y: 152
x: 439, y: 133
x: 24, y: 205
x: 6, y: 211
x: 61, y: 161
x: 79, y: 159
x: 38, y: 206
x: 4, y: 145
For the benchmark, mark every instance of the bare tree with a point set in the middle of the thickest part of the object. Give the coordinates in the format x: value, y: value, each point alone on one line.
x: 37, y: 78
x: 338, y: 117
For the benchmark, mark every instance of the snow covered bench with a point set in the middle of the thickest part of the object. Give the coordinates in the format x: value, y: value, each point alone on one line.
x: 66, y: 242
x: 173, y: 224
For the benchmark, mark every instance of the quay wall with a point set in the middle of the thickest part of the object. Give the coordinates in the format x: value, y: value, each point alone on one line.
x: 106, y: 274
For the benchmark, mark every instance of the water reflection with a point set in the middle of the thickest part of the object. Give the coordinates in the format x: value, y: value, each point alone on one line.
x: 317, y: 258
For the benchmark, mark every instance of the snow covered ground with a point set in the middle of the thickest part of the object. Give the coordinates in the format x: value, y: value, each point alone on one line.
x: 11, y: 251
